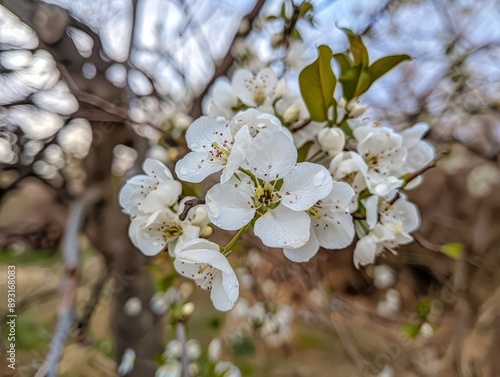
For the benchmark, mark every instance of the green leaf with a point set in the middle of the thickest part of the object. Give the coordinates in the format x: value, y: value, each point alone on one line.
x: 349, y: 81
x: 357, y: 47
x: 384, y: 65
x: 317, y: 85
x: 411, y: 331
x: 424, y: 309
x: 453, y: 250
x: 344, y: 62
x: 303, y: 151
x: 304, y: 8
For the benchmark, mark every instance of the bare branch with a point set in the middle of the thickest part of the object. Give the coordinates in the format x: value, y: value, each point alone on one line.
x: 69, y: 283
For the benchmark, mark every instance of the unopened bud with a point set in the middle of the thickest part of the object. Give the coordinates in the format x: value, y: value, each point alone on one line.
x: 355, y: 108
x: 206, y: 232
x: 215, y: 349
x: 187, y: 309
x: 292, y: 113
x: 331, y: 140
x: 133, y: 307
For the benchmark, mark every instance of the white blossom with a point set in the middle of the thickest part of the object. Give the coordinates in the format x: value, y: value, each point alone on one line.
x: 282, y: 220
x: 382, y: 149
x: 214, y: 148
x: 147, y: 193
x: 202, y: 261
x: 152, y: 233
x: 227, y: 369
x: 254, y: 90
x: 127, y: 364
x: 351, y: 168
x: 331, y: 224
x: 386, y: 226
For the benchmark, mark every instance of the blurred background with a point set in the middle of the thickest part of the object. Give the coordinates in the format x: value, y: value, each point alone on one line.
x: 89, y: 88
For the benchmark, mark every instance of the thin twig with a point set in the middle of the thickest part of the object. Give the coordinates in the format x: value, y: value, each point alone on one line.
x: 425, y: 243
x: 188, y: 204
x: 181, y: 337
x: 69, y: 283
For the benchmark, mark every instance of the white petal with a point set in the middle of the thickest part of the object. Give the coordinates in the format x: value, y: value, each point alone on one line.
x: 267, y: 79
x: 165, y: 195
x: 242, y: 141
x: 194, y: 167
x: 229, y: 205
x: 371, y: 206
x: 414, y: 134
x: 225, y: 291
x: 271, y: 156
x: 206, y: 130
x: 202, y: 251
x: 243, y: 84
x: 305, y: 185
x: 341, y: 194
x: 306, y: 252
x: 156, y: 169
x: 366, y: 251
x: 334, y: 231
x: 281, y: 227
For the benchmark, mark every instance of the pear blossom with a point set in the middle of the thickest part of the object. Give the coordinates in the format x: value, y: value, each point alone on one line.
x: 254, y: 90
x: 351, y: 168
x: 224, y: 100
x: 256, y: 122
x: 152, y: 233
x: 418, y: 152
x: 389, y: 225
x: 227, y: 369
x: 202, y: 261
x: 331, y: 224
x: 282, y: 220
x: 214, y: 148
x: 382, y: 149
x: 146, y: 193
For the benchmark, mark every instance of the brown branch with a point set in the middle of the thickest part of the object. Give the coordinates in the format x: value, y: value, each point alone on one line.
x: 421, y: 171
x: 425, y: 243
x: 188, y: 205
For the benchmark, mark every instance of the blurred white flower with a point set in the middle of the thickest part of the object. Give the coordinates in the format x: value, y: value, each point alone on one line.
x: 383, y: 276
x: 193, y: 349
x: 127, y: 364
x: 215, y: 349
x: 482, y: 179
x: 173, y: 349
x: 227, y: 369
x: 202, y: 261
x: 172, y: 369
x: 133, y: 307
x: 390, y: 304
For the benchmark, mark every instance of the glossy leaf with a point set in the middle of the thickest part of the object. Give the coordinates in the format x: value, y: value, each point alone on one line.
x: 317, y: 85
x: 385, y: 64
x: 357, y: 47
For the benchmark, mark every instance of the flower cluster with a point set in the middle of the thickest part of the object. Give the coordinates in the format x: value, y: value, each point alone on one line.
x: 346, y: 181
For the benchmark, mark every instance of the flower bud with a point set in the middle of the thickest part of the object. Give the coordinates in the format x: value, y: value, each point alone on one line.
x: 355, y: 108
x: 215, y: 349
x: 193, y: 349
x: 292, y: 113
x: 331, y: 140
x: 187, y: 309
